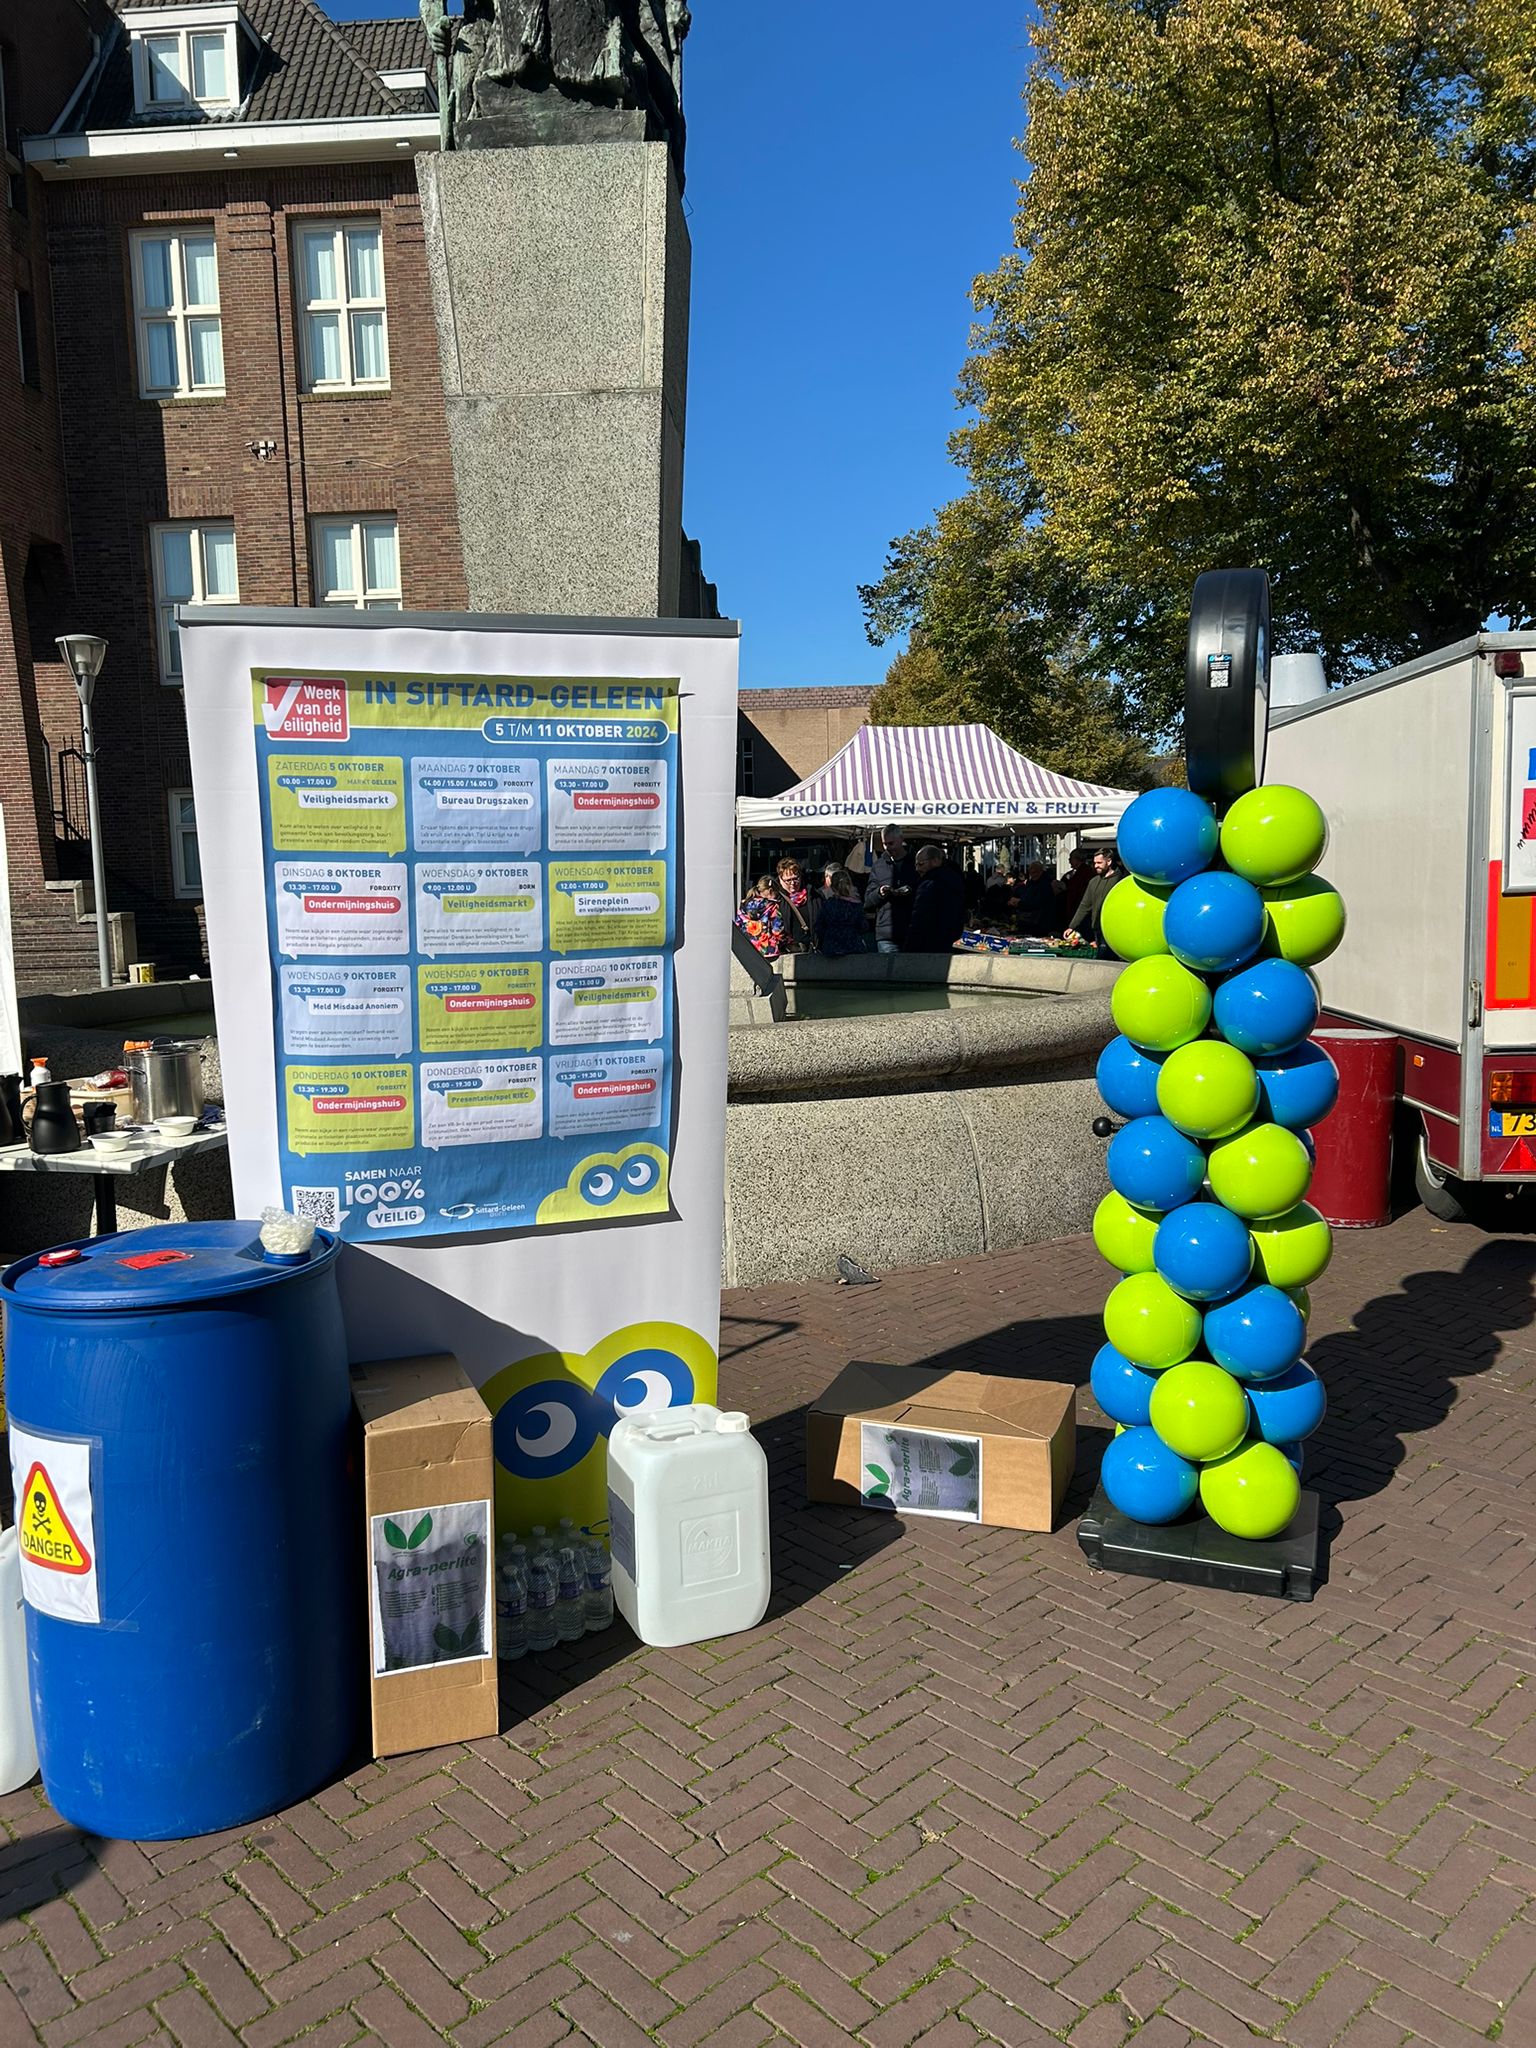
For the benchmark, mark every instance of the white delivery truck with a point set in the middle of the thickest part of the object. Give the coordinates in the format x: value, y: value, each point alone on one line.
x: 1427, y: 774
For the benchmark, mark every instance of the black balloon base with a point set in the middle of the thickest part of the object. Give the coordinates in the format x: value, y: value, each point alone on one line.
x: 1198, y: 1553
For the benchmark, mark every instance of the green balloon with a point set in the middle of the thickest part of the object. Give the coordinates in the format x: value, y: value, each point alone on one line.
x: 1252, y: 1492
x: 1292, y: 1250
x: 1303, y: 1301
x: 1304, y: 921
x: 1263, y: 1171
x: 1160, y: 1004
x: 1199, y: 1411
x: 1131, y: 918
x: 1274, y: 834
x: 1124, y: 1233
x: 1149, y: 1324
x: 1207, y: 1088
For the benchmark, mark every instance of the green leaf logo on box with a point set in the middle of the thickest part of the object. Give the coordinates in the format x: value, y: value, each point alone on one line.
x: 397, y: 1539
x: 880, y: 1486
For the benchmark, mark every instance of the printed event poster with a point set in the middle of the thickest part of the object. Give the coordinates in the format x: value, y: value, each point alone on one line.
x: 471, y: 901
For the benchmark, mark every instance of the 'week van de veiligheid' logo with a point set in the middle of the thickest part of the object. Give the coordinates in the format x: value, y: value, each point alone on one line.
x: 294, y: 708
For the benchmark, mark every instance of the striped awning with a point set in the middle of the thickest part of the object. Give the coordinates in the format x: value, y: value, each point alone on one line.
x: 934, y: 775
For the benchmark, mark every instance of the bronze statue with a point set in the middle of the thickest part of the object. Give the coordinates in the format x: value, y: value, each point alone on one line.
x: 516, y: 71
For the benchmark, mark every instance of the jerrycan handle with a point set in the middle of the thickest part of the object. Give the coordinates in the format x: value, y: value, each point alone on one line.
x: 663, y: 1429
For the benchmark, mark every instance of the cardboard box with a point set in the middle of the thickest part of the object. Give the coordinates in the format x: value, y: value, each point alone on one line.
x: 963, y: 1446
x: 429, y: 1547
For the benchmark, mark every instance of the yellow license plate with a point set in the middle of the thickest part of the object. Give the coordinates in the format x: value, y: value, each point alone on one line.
x: 1514, y: 1123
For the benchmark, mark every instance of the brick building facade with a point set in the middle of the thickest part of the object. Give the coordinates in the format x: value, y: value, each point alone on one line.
x: 784, y: 735
x: 233, y: 395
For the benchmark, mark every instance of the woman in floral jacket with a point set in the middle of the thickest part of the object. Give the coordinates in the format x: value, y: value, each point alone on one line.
x: 762, y: 918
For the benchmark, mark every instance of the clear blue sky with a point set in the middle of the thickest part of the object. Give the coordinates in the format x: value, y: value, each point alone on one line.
x: 850, y: 171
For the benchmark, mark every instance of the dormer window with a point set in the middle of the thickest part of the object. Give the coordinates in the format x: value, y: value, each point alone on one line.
x: 185, y: 58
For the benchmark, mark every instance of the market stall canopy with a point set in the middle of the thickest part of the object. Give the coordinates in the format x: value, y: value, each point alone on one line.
x: 933, y: 775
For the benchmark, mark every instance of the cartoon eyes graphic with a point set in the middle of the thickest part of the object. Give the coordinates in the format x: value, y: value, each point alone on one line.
x: 599, y: 1186
x: 548, y: 1428
x: 645, y: 1379
x: 641, y: 1174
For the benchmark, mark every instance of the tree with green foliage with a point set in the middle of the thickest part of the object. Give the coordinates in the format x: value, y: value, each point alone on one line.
x: 1272, y: 302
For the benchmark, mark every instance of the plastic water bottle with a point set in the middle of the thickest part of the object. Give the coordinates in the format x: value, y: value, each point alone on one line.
x: 542, y: 1633
x: 539, y: 1546
x: 598, y: 1604
x: 570, y: 1609
x: 511, y: 1613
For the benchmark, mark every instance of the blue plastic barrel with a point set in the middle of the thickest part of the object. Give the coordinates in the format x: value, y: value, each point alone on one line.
x: 181, y: 1446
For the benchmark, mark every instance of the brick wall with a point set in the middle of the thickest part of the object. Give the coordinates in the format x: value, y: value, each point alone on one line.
x: 785, y: 735
x: 130, y: 462
x: 44, y: 51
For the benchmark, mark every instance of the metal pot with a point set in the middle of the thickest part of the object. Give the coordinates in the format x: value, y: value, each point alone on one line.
x: 166, y: 1078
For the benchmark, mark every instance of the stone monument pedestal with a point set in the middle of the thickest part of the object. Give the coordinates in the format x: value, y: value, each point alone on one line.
x: 560, y: 279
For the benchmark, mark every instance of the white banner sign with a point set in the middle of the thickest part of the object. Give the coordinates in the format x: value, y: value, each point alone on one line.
x: 468, y: 894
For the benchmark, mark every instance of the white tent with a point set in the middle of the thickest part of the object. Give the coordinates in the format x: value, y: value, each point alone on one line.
x: 934, y: 775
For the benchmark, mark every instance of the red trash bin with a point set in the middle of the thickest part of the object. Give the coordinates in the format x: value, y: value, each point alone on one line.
x: 1352, y: 1185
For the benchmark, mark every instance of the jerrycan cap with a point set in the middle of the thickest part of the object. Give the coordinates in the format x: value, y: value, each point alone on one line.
x: 733, y: 1423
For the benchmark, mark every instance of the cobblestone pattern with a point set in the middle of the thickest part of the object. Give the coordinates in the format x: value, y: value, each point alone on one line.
x: 958, y: 1788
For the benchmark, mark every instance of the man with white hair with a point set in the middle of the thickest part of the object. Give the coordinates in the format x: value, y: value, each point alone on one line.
x: 888, y: 892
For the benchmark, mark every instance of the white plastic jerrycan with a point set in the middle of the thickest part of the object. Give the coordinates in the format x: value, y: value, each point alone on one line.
x: 688, y: 1524
x: 18, y: 1745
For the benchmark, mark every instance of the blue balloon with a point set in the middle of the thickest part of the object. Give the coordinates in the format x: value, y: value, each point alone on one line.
x: 1122, y: 1390
x: 1214, y: 922
x: 1167, y: 835
x: 1203, y: 1251
x: 1266, y: 1009
x: 1297, y: 1089
x: 1257, y: 1335
x: 1154, y: 1165
x: 1128, y: 1077
x: 1294, y: 1455
x: 1146, y: 1480
x: 1285, y: 1410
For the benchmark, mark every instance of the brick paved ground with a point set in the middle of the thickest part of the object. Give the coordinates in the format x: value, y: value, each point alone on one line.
x: 957, y: 1789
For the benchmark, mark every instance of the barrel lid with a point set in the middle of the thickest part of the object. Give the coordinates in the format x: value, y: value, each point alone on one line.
x: 166, y: 1266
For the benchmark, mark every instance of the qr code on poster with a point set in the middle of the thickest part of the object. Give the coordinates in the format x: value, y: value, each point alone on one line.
x: 320, y: 1206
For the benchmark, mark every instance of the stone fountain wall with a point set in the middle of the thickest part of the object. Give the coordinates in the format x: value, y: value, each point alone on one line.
x: 902, y: 1139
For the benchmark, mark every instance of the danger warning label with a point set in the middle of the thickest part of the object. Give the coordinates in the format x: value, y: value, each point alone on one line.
x: 55, y: 1524
x: 43, y: 1528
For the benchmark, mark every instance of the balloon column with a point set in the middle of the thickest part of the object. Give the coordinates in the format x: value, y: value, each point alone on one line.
x: 1207, y: 1218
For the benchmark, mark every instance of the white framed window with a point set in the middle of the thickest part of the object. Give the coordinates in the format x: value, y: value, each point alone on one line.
x: 183, y: 64
x: 357, y: 562
x: 186, y: 861
x: 193, y: 564
x: 341, y: 296
x: 176, y: 300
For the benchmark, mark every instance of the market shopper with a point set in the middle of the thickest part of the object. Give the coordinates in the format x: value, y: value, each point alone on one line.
x: 796, y: 909
x: 1085, y: 929
x: 938, y: 908
x: 1034, y: 902
x: 840, y: 923
x: 760, y: 918
x: 1079, y: 874
x: 889, y: 891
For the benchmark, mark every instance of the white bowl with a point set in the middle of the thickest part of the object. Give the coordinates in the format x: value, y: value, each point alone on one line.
x: 114, y: 1141
x: 176, y: 1126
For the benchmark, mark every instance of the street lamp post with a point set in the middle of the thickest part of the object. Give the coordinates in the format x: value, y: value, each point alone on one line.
x: 85, y: 653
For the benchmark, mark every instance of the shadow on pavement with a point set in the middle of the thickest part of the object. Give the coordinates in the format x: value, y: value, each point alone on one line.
x: 1396, y: 1370
x: 39, y: 1866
